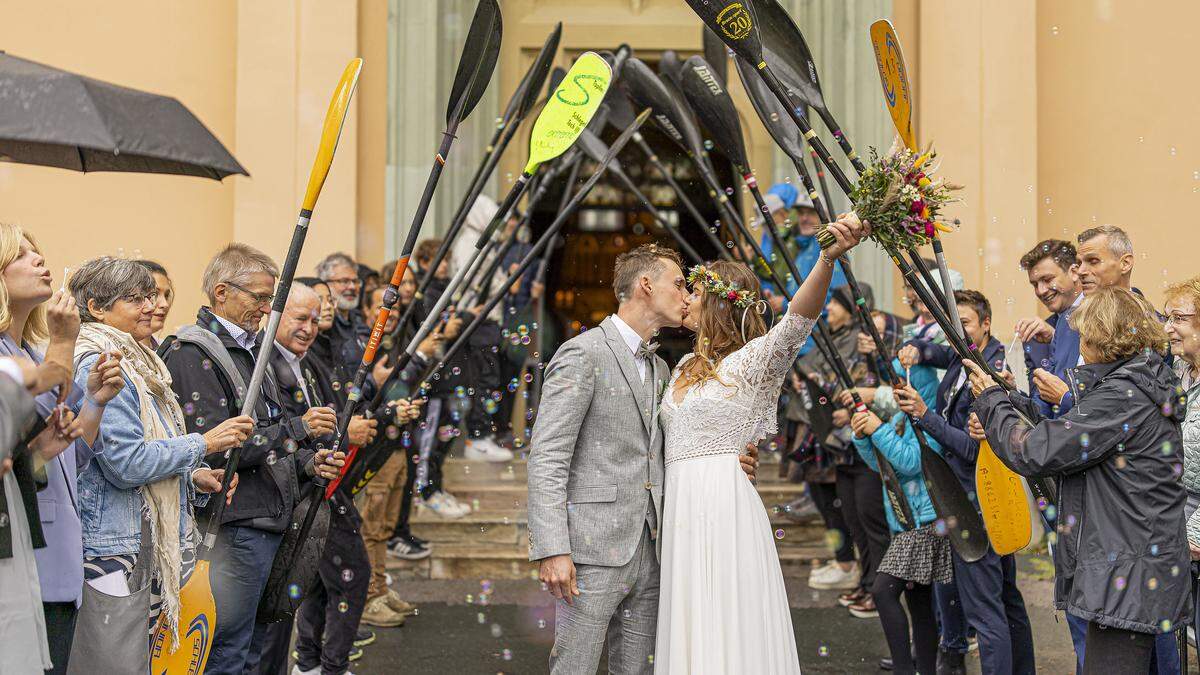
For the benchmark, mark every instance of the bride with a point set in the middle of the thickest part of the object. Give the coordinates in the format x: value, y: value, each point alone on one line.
x: 723, y: 607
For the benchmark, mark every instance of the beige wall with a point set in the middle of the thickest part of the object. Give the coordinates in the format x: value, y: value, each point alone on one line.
x: 259, y: 74
x: 1059, y: 116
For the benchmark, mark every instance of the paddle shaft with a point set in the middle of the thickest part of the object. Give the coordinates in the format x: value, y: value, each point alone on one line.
x: 701, y: 223
x: 646, y: 204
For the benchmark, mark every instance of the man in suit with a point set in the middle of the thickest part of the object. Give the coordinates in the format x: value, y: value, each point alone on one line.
x: 1051, y: 269
x: 596, y: 472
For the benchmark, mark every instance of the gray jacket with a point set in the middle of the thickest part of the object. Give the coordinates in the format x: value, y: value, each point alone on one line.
x: 596, y: 452
x: 1191, y: 451
x: 1122, y: 555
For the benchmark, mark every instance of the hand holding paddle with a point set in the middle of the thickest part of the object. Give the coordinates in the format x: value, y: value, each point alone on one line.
x: 980, y: 381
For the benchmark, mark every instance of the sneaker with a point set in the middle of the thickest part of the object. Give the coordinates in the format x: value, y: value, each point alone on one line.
x: 819, y: 572
x: 398, y: 605
x: 886, y: 663
x: 355, y: 654
x: 800, y: 510
x: 950, y: 663
x: 311, y: 671
x: 854, y: 596
x: 407, y: 550
x: 364, y: 637
x: 835, y: 578
x: 462, y: 508
x: 377, y: 613
x: 418, y: 541
x: 438, y: 503
x: 486, y: 450
x: 865, y: 608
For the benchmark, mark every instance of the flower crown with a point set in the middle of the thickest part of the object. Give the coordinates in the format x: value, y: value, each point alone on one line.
x: 713, y: 283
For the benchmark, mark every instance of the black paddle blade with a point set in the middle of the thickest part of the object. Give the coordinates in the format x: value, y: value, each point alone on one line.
x: 478, y: 61
x: 538, y: 72
x: 734, y: 23
x: 772, y: 113
x: 556, y: 78
x: 646, y: 90
x: 786, y: 52
x: 620, y: 110
x: 669, y: 67
x: 708, y: 97
x: 716, y: 53
x: 964, y: 525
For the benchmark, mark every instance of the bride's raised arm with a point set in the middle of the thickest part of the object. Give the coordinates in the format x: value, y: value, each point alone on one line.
x: 809, y: 299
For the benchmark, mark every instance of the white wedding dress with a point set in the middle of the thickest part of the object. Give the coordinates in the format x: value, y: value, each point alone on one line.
x: 723, y: 607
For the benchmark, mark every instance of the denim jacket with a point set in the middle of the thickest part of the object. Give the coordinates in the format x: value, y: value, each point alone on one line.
x: 110, y: 501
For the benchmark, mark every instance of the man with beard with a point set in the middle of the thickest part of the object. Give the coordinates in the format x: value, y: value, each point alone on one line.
x: 348, y: 336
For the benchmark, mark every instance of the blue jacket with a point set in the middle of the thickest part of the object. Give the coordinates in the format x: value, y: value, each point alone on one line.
x: 946, y: 419
x: 904, y: 453
x: 808, y: 253
x: 110, y: 503
x: 1064, y: 355
x: 1039, y: 354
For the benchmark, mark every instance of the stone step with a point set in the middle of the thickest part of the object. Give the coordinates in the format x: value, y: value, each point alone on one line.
x: 496, y: 561
x: 510, y: 527
x: 459, y: 472
x: 510, y: 495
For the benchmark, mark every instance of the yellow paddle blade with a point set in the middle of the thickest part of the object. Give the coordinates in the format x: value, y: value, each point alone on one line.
x: 569, y: 110
x: 894, y: 78
x: 197, y: 624
x: 335, y: 117
x: 1002, y: 501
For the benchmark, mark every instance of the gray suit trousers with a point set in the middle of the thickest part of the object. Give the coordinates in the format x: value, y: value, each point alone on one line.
x: 617, y: 605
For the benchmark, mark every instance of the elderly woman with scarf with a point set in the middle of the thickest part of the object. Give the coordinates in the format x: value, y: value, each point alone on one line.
x: 145, y: 463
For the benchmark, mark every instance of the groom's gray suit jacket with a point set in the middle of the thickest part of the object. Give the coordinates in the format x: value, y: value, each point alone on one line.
x: 596, y: 457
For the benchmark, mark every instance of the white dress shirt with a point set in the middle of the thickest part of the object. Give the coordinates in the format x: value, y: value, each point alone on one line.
x: 240, y: 335
x: 634, y: 341
x: 293, y: 362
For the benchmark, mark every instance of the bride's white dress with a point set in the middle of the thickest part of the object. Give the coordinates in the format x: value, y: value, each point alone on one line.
x: 723, y: 607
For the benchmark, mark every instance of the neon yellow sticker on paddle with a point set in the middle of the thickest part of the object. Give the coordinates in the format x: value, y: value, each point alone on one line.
x: 569, y: 110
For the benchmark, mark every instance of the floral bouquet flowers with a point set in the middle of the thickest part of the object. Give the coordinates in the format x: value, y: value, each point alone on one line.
x: 901, y: 199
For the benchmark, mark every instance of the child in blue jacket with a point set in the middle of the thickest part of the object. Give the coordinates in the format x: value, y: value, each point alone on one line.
x: 918, y: 557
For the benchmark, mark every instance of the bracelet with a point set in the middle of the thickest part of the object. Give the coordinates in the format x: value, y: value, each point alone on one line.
x: 825, y: 259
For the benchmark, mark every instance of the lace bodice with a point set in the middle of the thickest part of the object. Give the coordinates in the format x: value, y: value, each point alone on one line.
x: 721, y: 417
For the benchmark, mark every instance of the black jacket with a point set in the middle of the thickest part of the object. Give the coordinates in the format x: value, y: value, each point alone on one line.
x: 1122, y: 554
x: 268, y: 461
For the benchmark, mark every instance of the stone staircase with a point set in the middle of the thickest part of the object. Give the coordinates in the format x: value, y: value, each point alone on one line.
x: 492, y: 542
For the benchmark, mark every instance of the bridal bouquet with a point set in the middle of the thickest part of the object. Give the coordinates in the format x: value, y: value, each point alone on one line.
x: 899, y: 196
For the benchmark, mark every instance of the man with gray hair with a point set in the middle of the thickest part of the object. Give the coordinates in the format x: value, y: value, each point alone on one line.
x: 1105, y: 258
x: 210, y: 363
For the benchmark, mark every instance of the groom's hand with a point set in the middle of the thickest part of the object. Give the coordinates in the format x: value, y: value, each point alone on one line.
x: 558, y: 573
x: 750, y: 461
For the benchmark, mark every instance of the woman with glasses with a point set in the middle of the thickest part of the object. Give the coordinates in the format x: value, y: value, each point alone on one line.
x: 146, y: 466
x: 1183, y: 333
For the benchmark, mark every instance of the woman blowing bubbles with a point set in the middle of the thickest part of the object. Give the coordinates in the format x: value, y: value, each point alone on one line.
x: 1122, y: 557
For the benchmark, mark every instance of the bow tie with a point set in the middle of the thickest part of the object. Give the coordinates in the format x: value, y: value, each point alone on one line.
x: 646, y: 351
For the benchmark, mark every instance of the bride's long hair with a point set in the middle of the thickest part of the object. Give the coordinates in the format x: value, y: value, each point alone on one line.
x: 719, y: 332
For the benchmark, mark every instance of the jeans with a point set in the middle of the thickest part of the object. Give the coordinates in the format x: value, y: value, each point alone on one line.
x: 328, y: 618
x: 995, y: 609
x: 240, y: 566
x: 861, y: 492
x: 1112, y: 651
x: 952, y: 624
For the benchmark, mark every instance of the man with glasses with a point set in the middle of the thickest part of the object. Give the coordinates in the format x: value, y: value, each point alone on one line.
x: 211, y: 363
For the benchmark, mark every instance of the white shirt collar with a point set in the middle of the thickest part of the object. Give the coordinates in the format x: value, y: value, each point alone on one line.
x: 240, y: 335
x: 1074, y: 306
x: 628, y: 334
x: 287, y: 354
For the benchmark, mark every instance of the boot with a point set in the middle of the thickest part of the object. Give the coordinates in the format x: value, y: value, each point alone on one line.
x: 951, y: 663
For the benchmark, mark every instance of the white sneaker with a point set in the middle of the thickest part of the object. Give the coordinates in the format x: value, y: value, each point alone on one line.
x: 462, y: 508
x: 487, y: 450
x: 818, y: 574
x: 315, y: 671
x: 438, y: 503
x: 837, y: 579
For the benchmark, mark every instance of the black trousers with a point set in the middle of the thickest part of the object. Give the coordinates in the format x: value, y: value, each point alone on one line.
x: 410, y: 482
x: 1113, y: 651
x: 887, y: 590
x: 328, y: 618
x: 860, y: 491
x: 60, y: 630
x: 825, y: 498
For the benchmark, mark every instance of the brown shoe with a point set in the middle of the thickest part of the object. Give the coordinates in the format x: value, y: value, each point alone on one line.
x: 865, y: 608
x: 852, y: 597
x: 377, y: 613
x: 399, y: 606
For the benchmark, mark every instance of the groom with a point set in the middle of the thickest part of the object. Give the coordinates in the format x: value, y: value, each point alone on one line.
x: 596, y: 472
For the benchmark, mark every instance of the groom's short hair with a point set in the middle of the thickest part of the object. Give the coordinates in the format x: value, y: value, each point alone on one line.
x: 632, y: 264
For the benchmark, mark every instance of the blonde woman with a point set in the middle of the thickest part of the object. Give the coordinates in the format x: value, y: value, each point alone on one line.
x: 723, y: 607
x: 1122, y: 548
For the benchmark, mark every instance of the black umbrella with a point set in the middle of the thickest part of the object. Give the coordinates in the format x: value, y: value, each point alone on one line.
x: 55, y: 118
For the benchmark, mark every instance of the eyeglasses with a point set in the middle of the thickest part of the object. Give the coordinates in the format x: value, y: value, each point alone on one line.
x: 141, y: 298
x: 349, y: 281
x: 260, y: 298
x: 1177, y: 319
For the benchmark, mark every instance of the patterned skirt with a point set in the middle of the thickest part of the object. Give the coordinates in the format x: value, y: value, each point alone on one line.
x: 919, y: 556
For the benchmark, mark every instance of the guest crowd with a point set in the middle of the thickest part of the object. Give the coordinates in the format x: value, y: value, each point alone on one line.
x: 116, y: 491
x: 115, y: 439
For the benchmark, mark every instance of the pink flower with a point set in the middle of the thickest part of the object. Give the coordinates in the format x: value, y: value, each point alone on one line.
x: 916, y: 206
x: 929, y: 229
x: 731, y: 295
